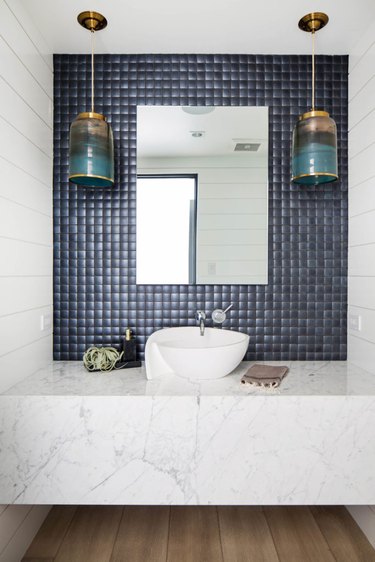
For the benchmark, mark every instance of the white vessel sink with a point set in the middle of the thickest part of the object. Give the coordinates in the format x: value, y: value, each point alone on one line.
x: 184, y: 352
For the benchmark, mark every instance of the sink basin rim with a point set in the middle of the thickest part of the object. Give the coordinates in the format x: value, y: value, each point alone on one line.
x: 210, y: 344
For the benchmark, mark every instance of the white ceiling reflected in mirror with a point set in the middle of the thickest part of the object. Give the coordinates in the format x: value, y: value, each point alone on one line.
x: 202, y: 195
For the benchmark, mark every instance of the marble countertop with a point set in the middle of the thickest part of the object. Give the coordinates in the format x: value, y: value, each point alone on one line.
x: 73, y: 437
x: 305, y: 378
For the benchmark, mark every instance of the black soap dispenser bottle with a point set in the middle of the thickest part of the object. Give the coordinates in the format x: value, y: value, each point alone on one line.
x: 129, y: 347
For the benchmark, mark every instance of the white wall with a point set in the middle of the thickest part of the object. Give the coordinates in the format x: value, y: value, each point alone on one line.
x: 361, y: 343
x: 361, y: 297
x: 26, y: 94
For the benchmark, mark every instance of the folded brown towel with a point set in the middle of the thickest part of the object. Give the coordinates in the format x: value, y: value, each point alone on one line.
x: 264, y: 375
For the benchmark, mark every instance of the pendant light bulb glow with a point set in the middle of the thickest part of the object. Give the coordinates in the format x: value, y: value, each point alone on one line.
x: 91, y: 154
x: 314, y: 146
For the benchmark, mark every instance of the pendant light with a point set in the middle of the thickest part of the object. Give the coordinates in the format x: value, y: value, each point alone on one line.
x: 314, y: 148
x: 91, y: 156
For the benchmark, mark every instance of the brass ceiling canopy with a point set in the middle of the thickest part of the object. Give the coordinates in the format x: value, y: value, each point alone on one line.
x: 313, y: 22
x: 93, y: 21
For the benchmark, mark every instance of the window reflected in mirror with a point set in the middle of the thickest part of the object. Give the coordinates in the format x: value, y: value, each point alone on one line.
x: 166, y: 218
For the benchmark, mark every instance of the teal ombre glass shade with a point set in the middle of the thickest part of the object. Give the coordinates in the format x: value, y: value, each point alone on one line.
x: 314, y: 149
x: 91, y: 155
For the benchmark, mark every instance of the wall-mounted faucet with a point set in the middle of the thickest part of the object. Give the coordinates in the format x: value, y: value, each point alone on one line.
x: 218, y: 316
x: 201, y: 317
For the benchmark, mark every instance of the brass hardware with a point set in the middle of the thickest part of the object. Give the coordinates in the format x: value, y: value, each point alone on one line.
x: 90, y: 176
x: 313, y: 113
x: 91, y: 115
x: 313, y: 22
x: 93, y: 21
x: 315, y: 174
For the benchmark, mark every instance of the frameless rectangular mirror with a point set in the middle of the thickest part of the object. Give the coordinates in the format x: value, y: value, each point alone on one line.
x: 202, y: 195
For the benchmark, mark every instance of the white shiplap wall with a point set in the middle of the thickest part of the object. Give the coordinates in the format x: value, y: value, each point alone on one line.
x: 26, y: 96
x: 361, y: 343
x: 361, y: 297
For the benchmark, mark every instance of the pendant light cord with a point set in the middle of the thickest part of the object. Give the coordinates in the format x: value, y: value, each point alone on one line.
x: 92, y: 70
x: 313, y: 70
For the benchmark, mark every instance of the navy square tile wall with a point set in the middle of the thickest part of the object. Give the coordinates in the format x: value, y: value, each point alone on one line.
x: 301, y: 313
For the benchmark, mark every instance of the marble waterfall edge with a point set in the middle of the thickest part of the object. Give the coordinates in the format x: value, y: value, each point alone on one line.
x: 73, y: 437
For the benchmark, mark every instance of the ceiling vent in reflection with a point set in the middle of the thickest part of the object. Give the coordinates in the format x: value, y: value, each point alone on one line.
x: 246, y: 146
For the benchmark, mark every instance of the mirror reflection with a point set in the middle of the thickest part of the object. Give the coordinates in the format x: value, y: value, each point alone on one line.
x: 202, y: 195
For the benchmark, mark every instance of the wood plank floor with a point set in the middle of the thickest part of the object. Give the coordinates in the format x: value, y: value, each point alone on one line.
x: 199, y: 534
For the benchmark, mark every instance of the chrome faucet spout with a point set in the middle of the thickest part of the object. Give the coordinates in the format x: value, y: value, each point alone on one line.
x: 201, y: 317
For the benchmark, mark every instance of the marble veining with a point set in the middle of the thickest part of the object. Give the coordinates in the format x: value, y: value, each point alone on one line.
x: 68, y: 436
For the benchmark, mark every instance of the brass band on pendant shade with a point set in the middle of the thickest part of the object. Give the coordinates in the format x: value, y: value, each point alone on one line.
x: 91, y: 153
x: 314, y: 145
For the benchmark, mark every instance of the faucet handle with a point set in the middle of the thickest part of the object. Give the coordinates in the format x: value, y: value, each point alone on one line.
x: 219, y: 316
